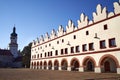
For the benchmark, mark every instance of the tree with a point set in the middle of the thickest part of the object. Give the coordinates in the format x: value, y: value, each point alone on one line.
x: 26, y: 55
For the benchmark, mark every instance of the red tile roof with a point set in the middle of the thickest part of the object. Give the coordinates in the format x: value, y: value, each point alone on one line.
x: 5, y: 52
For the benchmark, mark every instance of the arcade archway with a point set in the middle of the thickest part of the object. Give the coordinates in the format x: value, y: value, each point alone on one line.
x: 75, y: 64
x: 40, y: 64
x: 56, y: 65
x: 50, y: 65
x: 89, y: 64
x: 64, y: 64
x: 108, y: 63
x: 45, y: 65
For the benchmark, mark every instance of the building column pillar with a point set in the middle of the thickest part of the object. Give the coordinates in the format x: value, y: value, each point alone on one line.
x: 81, y: 69
x: 35, y: 67
x: 31, y: 67
x: 118, y: 70
x: 59, y: 68
x: 42, y: 67
x: 47, y: 68
x: 97, y: 69
x: 53, y: 68
x: 68, y: 68
x: 39, y: 67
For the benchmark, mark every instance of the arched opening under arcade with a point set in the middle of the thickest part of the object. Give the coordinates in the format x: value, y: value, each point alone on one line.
x: 89, y: 64
x: 64, y: 64
x: 50, y: 65
x: 56, y: 65
x: 108, y: 63
x: 75, y: 64
x: 40, y: 64
x: 45, y: 65
x: 34, y: 65
x: 37, y: 65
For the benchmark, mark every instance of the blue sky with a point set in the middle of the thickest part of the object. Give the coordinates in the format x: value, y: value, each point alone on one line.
x: 33, y: 18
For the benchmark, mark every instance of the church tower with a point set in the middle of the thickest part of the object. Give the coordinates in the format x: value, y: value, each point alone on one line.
x: 13, y: 46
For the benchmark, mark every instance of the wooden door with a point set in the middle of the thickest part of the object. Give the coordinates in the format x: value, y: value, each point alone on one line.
x: 107, y: 66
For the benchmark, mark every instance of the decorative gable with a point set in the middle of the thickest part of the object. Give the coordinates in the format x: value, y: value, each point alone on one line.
x: 100, y: 13
x: 53, y: 34
x: 116, y: 7
x: 60, y: 31
x: 83, y: 21
x: 70, y: 27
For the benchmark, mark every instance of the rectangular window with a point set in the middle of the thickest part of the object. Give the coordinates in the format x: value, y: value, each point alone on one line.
x: 49, y: 44
x: 105, y: 27
x: 41, y: 55
x: 112, y: 42
x: 74, y: 37
x: 102, y: 44
x: 87, y: 32
x: 56, y: 52
x: 34, y: 56
x: 57, y: 42
x: 37, y: 55
x: 45, y: 54
x: 51, y: 53
x: 48, y: 54
x: 62, y: 40
x: 84, y: 47
x: 66, y: 50
x: 72, y: 49
x: 91, y: 46
x: 61, y: 51
x: 77, y: 49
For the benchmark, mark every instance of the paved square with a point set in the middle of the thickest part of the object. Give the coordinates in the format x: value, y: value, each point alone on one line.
x: 30, y: 74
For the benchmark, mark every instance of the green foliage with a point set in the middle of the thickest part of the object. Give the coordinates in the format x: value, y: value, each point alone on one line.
x: 26, y: 55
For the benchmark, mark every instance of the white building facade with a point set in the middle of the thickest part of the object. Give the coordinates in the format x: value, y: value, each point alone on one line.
x: 91, y: 46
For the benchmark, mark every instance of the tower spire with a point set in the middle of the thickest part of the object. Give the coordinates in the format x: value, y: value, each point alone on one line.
x: 14, y: 29
x: 13, y: 46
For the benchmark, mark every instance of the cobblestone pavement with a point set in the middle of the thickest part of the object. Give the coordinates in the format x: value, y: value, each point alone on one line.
x: 30, y: 74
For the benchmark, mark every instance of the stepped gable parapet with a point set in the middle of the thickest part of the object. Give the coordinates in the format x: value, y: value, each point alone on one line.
x: 100, y: 14
x: 37, y: 41
x: 60, y: 31
x: 116, y: 7
x: 46, y: 38
x: 70, y: 27
x: 83, y: 21
x: 53, y: 34
x: 34, y: 43
x: 41, y: 39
